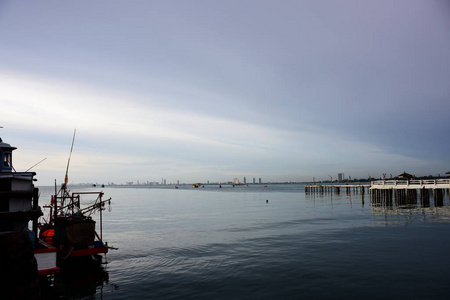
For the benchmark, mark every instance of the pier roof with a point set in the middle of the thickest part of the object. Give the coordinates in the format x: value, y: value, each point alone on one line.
x: 405, y: 175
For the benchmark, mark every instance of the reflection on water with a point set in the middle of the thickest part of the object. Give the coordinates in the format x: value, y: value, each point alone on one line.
x: 384, y: 215
x: 78, y: 280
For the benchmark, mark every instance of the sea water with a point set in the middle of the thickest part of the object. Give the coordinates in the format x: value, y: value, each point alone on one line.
x: 265, y: 242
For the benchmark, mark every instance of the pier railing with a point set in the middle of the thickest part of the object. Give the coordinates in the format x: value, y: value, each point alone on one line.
x: 410, y: 184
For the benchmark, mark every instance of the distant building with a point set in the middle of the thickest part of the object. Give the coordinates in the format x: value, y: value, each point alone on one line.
x: 260, y: 180
x: 340, y: 176
x: 254, y: 180
x: 245, y: 180
x: 236, y: 181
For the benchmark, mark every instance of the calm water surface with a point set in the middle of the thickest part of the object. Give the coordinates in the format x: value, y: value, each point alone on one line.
x: 266, y: 243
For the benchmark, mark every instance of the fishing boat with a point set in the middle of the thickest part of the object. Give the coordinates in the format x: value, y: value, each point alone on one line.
x: 70, y: 226
x: 19, y: 200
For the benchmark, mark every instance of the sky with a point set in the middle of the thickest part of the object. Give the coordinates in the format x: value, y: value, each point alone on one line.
x: 198, y: 90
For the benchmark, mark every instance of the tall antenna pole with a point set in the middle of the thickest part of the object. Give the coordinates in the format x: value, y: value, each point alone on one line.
x: 66, y: 178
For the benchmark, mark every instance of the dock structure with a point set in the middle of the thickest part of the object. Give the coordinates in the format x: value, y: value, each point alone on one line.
x: 336, y: 188
x: 389, y: 192
x: 410, y: 184
x: 407, y: 191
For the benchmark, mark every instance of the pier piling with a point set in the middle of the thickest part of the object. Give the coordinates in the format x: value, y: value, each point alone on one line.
x: 336, y: 188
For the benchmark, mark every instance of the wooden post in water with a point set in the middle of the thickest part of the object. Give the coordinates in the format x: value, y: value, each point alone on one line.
x: 424, y: 197
x: 438, y: 197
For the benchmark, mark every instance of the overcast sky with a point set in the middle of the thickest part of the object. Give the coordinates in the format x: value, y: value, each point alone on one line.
x: 212, y: 90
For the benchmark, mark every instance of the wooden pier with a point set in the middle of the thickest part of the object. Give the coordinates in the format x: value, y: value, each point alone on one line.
x: 336, y: 188
x: 407, y: 191
x: 391, y: 191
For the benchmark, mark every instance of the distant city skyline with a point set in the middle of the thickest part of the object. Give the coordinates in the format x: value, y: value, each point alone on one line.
x: 339, y: 178
x: 195, y: 90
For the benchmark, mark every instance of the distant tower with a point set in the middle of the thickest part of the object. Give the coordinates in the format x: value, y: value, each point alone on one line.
x: 236, y: 181
x: 254, y: 180
x: 245, y: 180
x: 260, y: 180
x: 340, y: 176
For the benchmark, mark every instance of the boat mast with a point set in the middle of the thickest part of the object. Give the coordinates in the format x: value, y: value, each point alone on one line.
x: 66, y: 178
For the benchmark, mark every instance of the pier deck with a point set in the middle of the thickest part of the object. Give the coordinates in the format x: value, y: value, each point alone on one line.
x: 411, y: 184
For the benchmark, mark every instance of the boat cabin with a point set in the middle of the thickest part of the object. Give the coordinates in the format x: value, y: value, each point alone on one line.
x: 18, y: 196
x: 18, y: 207
x: 6, y: 156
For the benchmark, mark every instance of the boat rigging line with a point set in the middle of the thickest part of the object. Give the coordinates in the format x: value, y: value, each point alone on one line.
x: 35, y: 165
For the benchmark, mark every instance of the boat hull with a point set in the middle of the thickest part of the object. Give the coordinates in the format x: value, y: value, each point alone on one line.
x: 45, y: 256
x: 89, y: 251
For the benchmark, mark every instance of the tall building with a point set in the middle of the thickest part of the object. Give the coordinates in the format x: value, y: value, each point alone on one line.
x: 245, y: 180
x: 260, y: 180
x: 236, y: 181
x: 340, y: 176
x: 254, y: 180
